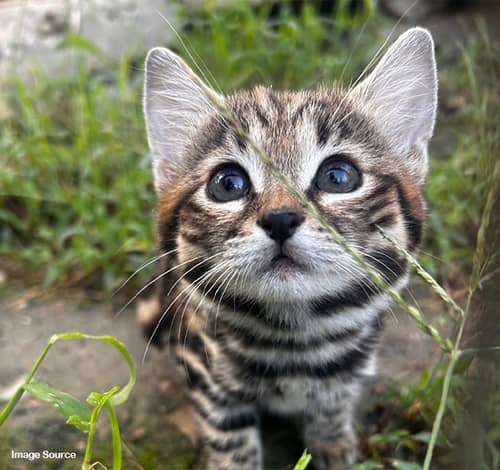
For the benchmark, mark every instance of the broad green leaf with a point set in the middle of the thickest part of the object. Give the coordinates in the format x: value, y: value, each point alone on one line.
x: 76, y: 412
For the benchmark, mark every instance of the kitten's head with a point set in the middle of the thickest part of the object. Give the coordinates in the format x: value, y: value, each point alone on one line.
x: 360, y: 155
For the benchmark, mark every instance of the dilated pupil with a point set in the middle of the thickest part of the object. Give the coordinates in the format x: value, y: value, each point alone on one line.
x: 232, y: 183
x: 338, y: 176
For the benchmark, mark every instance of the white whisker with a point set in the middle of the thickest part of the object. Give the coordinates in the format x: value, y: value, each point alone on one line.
x: 144, y: 266
x: 157, y: 278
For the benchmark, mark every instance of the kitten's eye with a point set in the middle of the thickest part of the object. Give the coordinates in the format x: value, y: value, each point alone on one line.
x: 228, y: 183
x: 337, y: 176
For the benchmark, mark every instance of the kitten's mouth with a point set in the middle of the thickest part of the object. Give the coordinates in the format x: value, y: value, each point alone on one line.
x: 282, y: 262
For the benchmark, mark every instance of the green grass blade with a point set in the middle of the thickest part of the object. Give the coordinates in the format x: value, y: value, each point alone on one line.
x: 115, y: 433
x: 98, y: 400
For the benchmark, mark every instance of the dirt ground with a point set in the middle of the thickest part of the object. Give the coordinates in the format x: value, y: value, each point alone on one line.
x: 156, y: 421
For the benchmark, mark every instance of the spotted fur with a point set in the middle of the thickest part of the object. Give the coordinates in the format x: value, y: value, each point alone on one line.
x: 301, y: 339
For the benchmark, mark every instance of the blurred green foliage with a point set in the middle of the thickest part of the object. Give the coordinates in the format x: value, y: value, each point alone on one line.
x: 240, y: 46
x: 465, y: 147
x: 76, y: 194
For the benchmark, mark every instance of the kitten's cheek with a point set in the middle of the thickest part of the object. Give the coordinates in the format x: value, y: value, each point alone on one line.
x: 187, y: 250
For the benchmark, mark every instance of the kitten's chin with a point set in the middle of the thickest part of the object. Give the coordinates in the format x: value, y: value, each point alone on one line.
x: 286, y: 277
x: 283, y: 280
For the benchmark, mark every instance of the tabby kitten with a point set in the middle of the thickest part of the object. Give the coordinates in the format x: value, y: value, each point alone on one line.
x: 264, y: 310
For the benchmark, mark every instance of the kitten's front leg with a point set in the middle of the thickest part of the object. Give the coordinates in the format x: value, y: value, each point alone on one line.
x: 231, y: 437
x: 329, y: 434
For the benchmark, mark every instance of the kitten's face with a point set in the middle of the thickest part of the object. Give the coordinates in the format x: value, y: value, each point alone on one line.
x: 266, y: 244
x: 235, y: 225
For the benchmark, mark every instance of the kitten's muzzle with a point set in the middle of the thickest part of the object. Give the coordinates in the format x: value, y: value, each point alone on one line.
x: 280, y: 224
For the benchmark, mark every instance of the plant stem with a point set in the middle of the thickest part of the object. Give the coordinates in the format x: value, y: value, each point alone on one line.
x: 467, y: 351
x: 115, y: 434
x: 454, y: 356
x: 440, y: 413
x: 27, y: 378
x: 99, y: 401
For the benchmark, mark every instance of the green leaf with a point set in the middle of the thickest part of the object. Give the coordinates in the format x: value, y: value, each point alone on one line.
x: 424, y: 378
x: 96, y: 399
x: 70, y: 407
x: 368, y: 465
x: 395, y: 436
x: 423, y: 436
x: 303, y: 461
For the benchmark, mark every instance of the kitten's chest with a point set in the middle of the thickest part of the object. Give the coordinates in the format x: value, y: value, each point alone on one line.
x: 282, y: 365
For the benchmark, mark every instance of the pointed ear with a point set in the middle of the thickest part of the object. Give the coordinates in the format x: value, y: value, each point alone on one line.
x: 401, y: 96
x: 175, y: 102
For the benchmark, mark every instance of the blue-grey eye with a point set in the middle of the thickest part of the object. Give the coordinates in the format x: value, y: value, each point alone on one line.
x: 337, y: 176
x: 228, y: 183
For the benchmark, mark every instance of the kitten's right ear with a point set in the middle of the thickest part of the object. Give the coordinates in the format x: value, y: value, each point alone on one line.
x: 401, y: 95
x: 175, y: 102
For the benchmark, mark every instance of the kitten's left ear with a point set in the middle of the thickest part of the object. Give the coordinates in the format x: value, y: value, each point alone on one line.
x: 401, y: 95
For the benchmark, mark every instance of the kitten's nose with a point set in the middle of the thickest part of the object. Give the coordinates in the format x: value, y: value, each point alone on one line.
x: 280, y: 224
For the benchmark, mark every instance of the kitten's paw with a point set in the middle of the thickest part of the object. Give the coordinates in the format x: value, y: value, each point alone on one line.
x: 338, y: 454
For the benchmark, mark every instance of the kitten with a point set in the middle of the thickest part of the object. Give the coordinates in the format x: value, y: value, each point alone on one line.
x: 263, y: 309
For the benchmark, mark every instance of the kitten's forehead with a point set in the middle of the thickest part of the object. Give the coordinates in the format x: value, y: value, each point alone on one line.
x: 271, y: 120
x: 299, y: 129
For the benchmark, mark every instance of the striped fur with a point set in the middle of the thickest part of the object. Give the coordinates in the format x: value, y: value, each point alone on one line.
x: 298, y: 339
